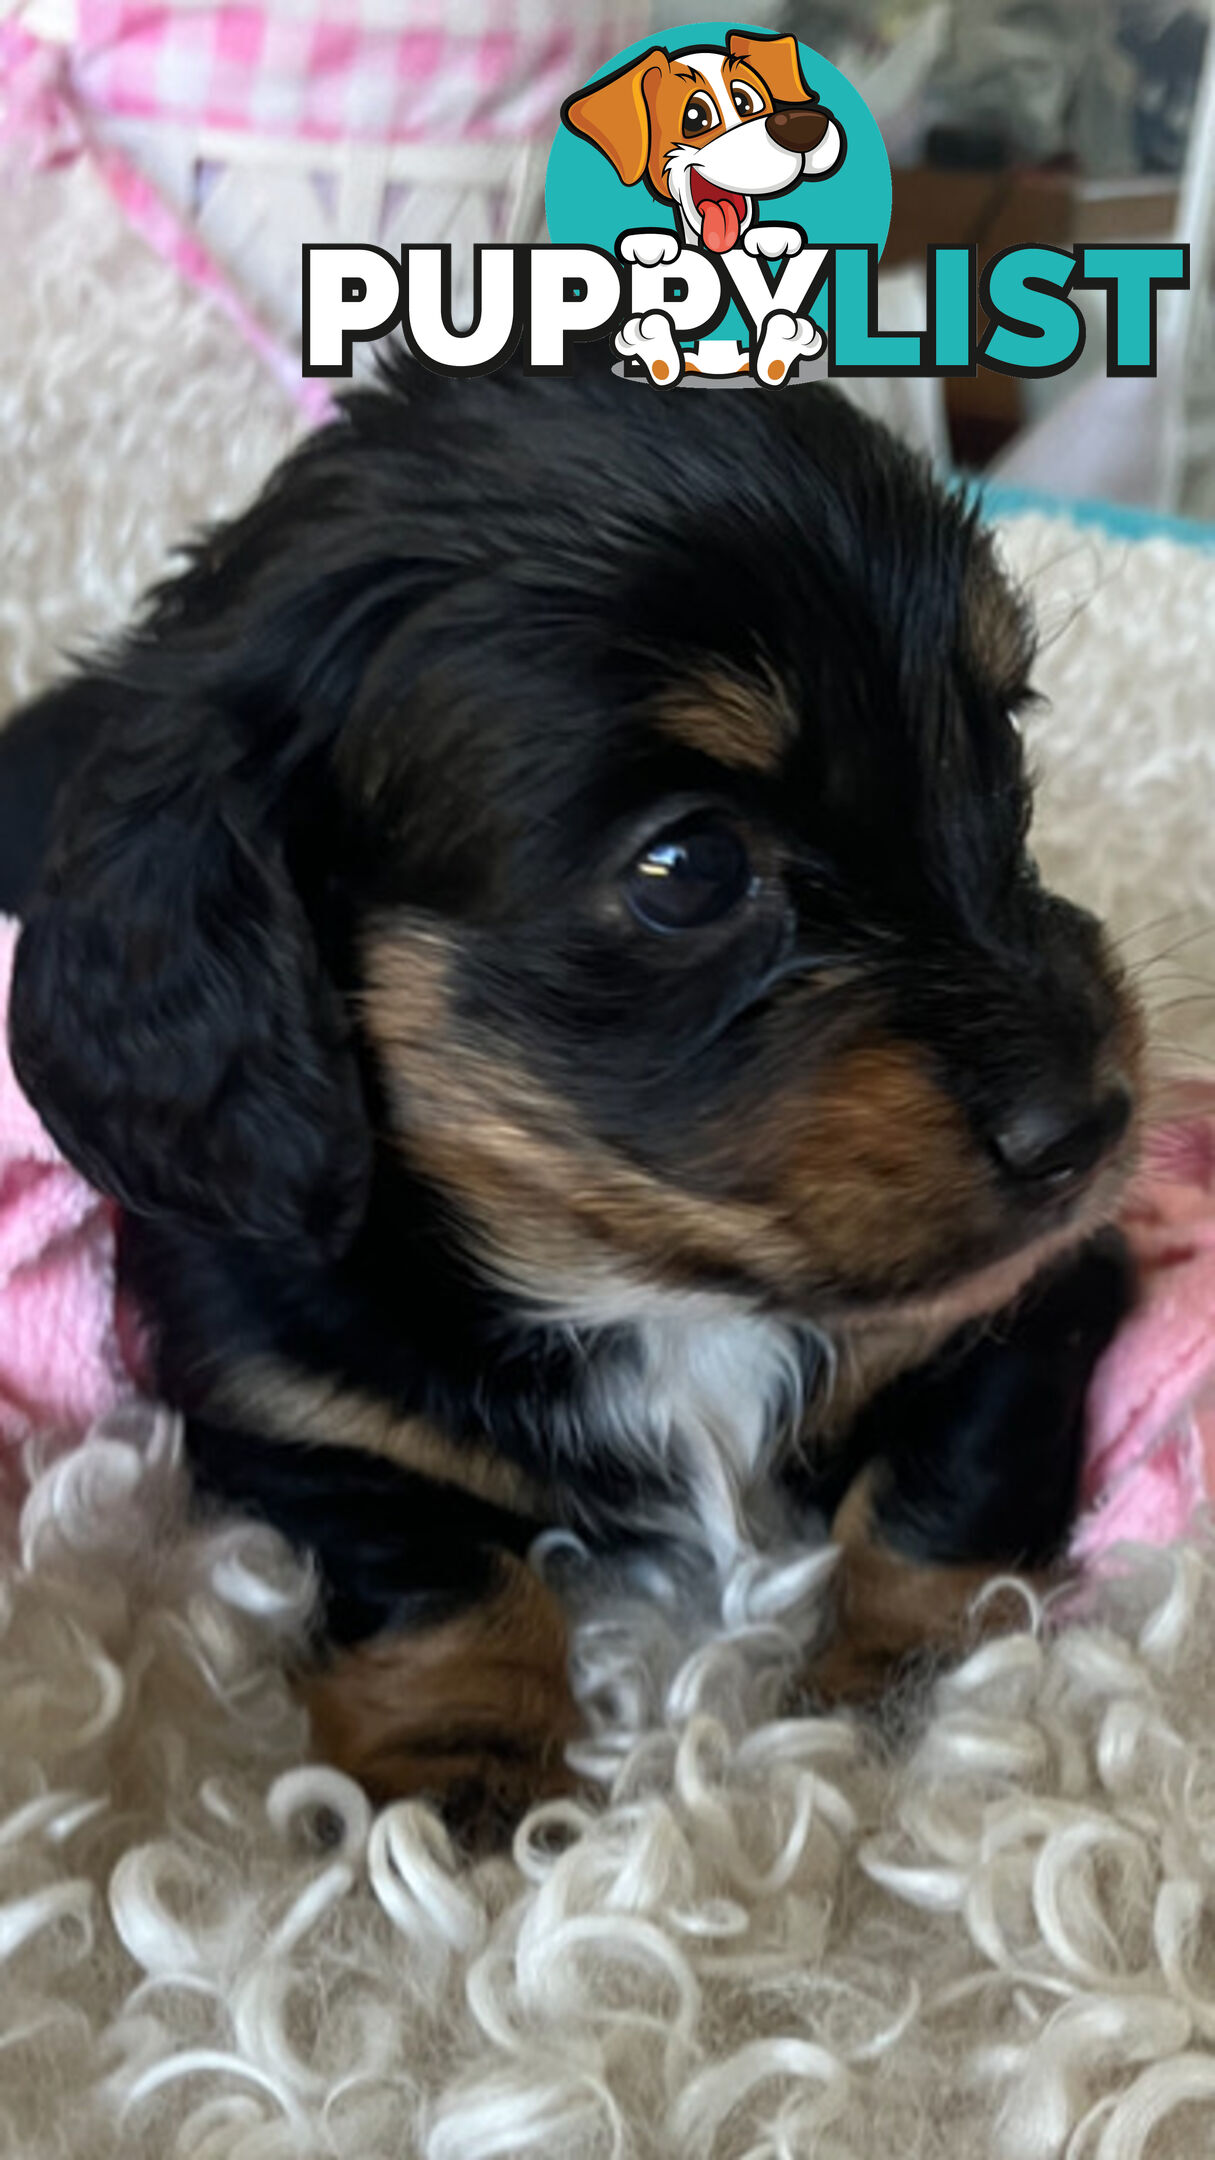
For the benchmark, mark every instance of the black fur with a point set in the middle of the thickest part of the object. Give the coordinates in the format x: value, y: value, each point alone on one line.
x: 41, y: 745
x: 418, y: 678
x: 978, y: 1452
x: 397, y: 1551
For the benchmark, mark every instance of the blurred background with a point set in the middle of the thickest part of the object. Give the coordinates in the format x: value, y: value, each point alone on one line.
x: 227, y: 134
x: 1011, y: 121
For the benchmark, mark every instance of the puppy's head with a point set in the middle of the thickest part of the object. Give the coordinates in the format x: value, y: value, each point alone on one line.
x: 613, y: 807
x: 710, y: 131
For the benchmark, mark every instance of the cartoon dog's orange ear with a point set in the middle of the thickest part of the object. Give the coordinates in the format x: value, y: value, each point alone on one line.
x: 614, y: 115
x: 776, y: 62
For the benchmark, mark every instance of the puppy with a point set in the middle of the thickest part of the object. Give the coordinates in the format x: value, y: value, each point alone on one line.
x: 709, y: 132
x: 537, y: 936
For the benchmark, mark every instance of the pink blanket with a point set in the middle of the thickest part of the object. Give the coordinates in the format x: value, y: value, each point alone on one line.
x: 60, y: 1362
x: 66, y: 1355
x: 1151, y: 1437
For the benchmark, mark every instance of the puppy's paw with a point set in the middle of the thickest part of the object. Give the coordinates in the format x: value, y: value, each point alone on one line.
x: 972, y: 1470
x: 786, y: 340
x: 771, y: 242
x: 897, y: 1624
x: 473, y: 1713
x: 481, y: 1797
x: 892, y: 1610
x: 650, y: 339
x: 648, y: 248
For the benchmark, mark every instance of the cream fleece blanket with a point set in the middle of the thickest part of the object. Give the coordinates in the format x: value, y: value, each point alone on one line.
x: 988, y: 1929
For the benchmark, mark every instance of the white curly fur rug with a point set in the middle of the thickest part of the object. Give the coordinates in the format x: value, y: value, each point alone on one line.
x: 987, y: 1928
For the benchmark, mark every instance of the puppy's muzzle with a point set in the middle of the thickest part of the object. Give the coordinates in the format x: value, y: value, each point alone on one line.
x: 800, y: 128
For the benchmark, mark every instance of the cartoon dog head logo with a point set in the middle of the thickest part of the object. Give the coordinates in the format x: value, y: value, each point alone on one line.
x: 712, y: 132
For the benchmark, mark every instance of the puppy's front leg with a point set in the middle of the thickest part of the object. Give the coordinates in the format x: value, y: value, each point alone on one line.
x: 471, y: 1709
x: 969, y: 1468
x: 438, y: 1664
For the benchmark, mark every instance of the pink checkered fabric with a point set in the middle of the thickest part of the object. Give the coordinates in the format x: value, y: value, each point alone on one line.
x: 338, y: 68
x: 440, y: 73
x: 325, y: 70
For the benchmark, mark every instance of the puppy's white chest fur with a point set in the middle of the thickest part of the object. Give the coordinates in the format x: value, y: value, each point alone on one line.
x: 707, y: 1400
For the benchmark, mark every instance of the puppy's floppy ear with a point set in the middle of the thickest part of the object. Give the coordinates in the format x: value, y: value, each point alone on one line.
x: 776, y: 61
x: 171, y: 1019
x: 614, y: 114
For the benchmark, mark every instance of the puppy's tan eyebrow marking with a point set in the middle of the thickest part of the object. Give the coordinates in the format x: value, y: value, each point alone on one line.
x: 692, y: 75
x: 734, y: 718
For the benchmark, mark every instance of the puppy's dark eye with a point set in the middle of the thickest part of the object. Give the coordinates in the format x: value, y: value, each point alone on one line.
x: 700, y: 114
x: 746, y: 100
x: 690, y: 876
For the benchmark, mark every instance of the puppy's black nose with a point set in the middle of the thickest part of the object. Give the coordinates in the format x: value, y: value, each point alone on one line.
x: 800, y: 128
x: 1052, y: 1139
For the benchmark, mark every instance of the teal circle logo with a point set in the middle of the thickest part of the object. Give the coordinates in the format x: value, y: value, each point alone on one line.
x: 728, y: 139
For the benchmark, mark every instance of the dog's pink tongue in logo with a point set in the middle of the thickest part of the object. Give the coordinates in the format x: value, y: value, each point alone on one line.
x: 721, y: 215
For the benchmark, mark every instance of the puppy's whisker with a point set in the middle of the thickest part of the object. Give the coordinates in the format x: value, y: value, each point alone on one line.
x: 1183, y: 1053
x: 1152, y: 988
x: 1205, y: 996
x: 1153, y: 922
x: 1047, y: 573
x: 1178, y: 945
x: 1179, y: 1054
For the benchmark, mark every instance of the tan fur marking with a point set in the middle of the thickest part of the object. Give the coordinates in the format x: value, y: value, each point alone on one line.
x: 891, y: 1609
x: 556, y: 1209
x: 477, y: 1711
x: 272, y: 1398
x: 872, y: 1168
x: 861, y: 1182
x: 737, y: 719
x: 878, y: 1171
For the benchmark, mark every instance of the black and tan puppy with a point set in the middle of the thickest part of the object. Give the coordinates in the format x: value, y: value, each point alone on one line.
x: 539, y: 940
